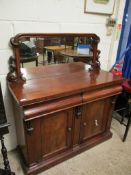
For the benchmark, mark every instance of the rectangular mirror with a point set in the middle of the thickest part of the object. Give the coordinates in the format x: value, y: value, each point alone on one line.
x: 34, y: 49
x: 54, y: 50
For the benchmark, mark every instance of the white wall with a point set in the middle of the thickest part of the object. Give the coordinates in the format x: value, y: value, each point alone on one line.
x: 114, y: 38
x: 48, y: 16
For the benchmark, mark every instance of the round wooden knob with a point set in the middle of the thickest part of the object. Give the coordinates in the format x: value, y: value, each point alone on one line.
x: 113, y: 102
x: 69, y: 129
x: 84, y: 124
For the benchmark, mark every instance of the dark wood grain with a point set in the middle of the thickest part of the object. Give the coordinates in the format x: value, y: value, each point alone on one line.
x: 33, y: 147
x: 57, y: 129
x: 94, y: 121
x: 45, y: 108
x: 68, y: 81
x: 64, y: 110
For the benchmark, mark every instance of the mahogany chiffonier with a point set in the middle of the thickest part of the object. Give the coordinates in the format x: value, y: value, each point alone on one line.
x: 62, y: 110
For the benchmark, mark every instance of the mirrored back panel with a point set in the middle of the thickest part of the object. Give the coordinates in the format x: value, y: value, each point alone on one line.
x: 39, y: 49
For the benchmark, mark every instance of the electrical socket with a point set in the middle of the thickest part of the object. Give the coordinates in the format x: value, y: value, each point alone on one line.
x: 110, y: 22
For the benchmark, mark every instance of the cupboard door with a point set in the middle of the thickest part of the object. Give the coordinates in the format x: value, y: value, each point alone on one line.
x: 96, y: 118
x: 56, y: 133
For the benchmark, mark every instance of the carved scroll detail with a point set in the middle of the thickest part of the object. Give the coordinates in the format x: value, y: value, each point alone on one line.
x: 13, y: 42
x: 14, y: 62
x: 97, y: 58
x: 12, y: 76
x: 95, y: 63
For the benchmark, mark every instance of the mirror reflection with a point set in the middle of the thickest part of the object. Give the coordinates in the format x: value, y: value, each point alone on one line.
x: 54, y: 50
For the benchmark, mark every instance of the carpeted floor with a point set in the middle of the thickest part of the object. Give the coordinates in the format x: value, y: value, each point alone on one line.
x: 112, y: 157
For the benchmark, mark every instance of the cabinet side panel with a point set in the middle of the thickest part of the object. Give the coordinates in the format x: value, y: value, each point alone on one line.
x: 20, y: 130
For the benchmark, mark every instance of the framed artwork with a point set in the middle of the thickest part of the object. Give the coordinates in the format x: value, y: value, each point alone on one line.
x: 99, y: 6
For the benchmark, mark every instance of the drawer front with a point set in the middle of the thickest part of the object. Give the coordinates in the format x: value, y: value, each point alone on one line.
x: 101, y: 93
x: 45, y: 108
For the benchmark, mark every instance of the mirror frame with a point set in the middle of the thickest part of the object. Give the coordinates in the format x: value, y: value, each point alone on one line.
x: 14, y: 61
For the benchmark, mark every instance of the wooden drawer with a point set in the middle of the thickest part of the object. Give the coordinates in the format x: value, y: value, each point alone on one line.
x: 44, y: 108
x: 101, y: 93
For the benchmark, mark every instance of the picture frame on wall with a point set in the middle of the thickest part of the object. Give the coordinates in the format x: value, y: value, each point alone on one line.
x: 99, y: 6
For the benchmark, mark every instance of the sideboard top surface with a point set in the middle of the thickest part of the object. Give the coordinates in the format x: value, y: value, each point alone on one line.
x: 55, y: 81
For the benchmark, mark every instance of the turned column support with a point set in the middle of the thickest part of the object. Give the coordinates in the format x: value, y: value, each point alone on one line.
x: 6, y: 170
